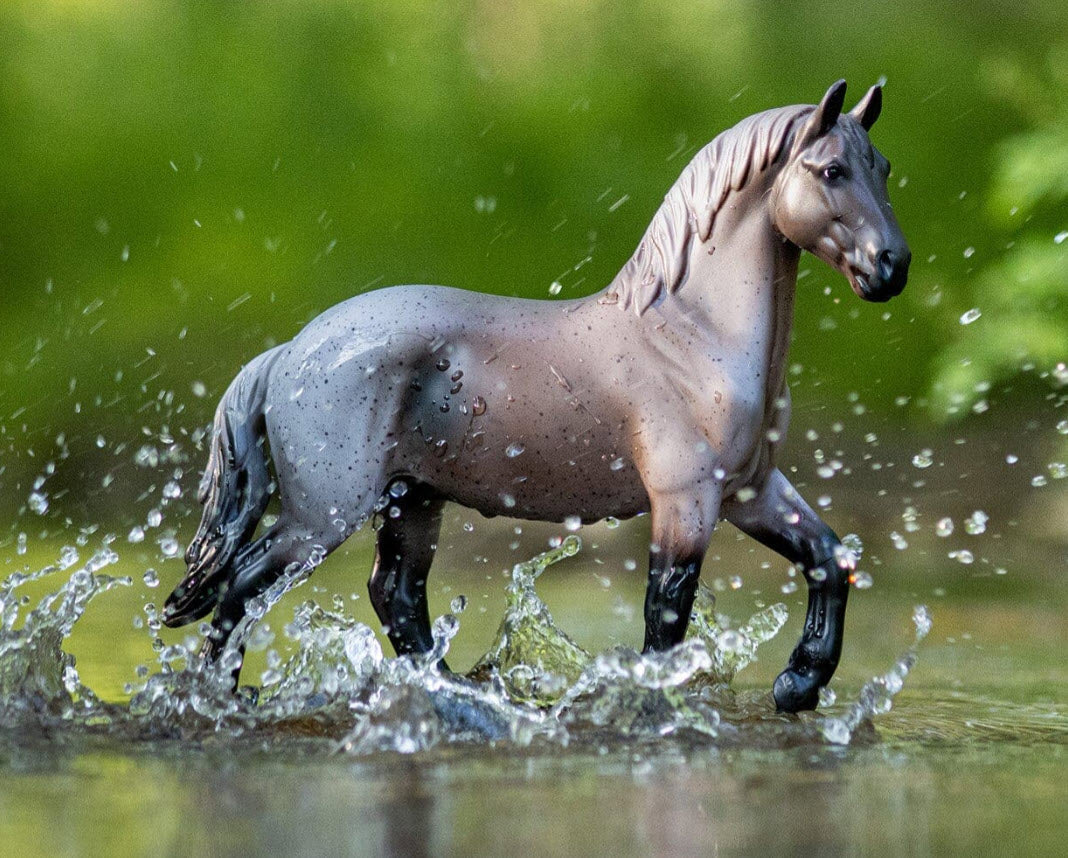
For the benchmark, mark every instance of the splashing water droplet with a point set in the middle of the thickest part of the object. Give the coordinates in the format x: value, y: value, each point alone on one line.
x: 862, y: 580
x: 136, y: 534
x: 944, y: 527
x: 844, y: 558
x: 147, y: 456
x: 151, y: 578
x: 970, y: 316
x: 976, y: 523
x: 853, y: 542
x: 514, y: 449
x: 923, y: 459
x: 38, y: 502
x: 963, y: 556
x: 572, y: 523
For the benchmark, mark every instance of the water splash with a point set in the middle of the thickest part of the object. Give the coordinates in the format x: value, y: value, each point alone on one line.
x: 39, y: 682
x: 877, y: 694
x: 534, y: 685
x: 535, y: 658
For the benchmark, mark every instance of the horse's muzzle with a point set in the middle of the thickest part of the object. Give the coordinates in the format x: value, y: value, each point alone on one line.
x: 888, y: 279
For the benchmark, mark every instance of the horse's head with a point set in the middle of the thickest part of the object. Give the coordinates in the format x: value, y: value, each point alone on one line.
x: 831, y: 200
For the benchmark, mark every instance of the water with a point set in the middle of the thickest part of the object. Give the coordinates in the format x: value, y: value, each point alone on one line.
x: 535, y: 685
x: 925, y: 744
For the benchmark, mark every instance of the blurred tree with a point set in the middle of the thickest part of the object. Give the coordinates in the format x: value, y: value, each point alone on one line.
x: 1023, y: 292
x: 183, y: 183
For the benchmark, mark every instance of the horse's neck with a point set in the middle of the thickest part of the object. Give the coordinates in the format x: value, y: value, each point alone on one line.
x: 740, y: 288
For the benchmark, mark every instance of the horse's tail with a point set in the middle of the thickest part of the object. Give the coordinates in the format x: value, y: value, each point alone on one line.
x: 234, y: 491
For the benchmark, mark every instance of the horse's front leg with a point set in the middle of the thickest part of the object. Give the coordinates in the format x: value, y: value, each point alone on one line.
x: 682, y: 524
x: 780, y: 519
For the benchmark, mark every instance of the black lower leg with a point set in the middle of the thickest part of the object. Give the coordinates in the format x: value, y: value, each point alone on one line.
x: 255, y: 570
x: 814, y: 660
x: 669, y: 597
x: 215, y: 644
x: 780, y: 519
x: 403, y: 555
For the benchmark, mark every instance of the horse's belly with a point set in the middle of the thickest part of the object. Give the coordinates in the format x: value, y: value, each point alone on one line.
x: 503, y: 457
x: 565, y: 487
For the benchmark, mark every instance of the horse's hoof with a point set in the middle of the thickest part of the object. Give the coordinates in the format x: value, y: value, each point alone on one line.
x: 248, y: 694
x: 796, y: 692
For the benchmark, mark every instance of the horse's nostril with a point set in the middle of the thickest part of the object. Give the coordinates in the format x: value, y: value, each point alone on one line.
x: 886, y: 265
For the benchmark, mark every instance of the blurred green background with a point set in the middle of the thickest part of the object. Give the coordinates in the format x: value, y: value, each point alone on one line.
x: 182, y: 184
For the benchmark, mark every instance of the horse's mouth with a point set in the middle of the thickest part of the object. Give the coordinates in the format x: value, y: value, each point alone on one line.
x: 864, y: 288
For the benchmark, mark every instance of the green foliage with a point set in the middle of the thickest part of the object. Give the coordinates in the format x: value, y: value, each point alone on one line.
x: 184, y: 183
x: 1021, y: 292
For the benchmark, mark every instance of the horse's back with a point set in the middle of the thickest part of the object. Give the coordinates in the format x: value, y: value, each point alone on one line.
x: 417, y: 309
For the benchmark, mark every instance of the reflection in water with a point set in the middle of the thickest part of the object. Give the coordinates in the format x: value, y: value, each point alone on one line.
x: 408, y: 815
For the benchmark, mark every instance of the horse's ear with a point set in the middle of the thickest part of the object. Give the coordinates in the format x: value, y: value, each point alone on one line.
x: 825, y: 115
x: 869, y: 107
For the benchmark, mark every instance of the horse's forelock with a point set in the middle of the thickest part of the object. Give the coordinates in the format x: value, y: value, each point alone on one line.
x: 658, y: 266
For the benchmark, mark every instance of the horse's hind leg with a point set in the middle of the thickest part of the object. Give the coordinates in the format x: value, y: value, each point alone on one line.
x: 780, y: 519
x: 403, y: 554
x: 257, y: 567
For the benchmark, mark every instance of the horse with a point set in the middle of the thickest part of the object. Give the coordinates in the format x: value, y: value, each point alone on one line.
x: 664, y: 393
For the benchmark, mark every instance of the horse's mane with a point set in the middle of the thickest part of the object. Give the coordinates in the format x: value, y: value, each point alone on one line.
x: 658, y: 266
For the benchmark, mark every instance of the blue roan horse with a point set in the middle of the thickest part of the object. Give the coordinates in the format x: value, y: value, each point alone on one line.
x: 664, y: 393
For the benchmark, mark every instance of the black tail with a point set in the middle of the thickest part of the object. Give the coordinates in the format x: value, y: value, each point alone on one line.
x: 234, y: 490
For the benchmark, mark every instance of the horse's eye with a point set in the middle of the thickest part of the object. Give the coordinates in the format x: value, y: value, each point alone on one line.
x: 832, y: 172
